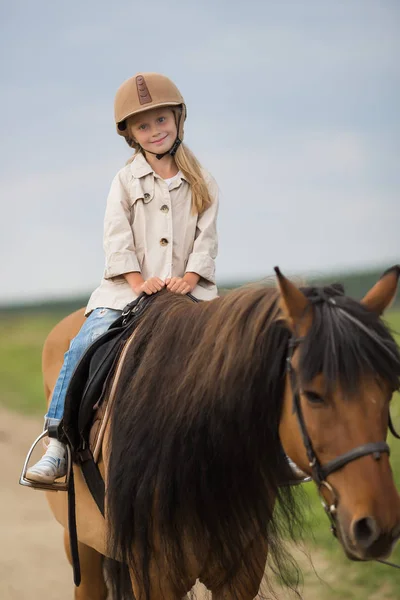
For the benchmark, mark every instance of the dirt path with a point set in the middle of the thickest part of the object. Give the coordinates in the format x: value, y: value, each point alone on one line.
x: 32, y: 561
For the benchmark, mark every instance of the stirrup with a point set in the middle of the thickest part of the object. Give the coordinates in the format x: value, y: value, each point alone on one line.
x: 61, y: 486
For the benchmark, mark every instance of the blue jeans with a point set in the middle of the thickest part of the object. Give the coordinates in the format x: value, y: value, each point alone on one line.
x: 95, y: 325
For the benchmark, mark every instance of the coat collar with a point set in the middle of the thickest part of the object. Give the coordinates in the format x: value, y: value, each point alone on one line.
x: 140, y: 167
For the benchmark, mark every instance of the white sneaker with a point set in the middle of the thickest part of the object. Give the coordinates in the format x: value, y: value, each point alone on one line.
x: 47, y: 469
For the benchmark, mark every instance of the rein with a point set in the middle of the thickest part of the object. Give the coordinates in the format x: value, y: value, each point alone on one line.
x: 321, y: 472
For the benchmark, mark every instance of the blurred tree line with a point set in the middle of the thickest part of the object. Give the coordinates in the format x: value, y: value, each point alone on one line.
x: 356, y: 285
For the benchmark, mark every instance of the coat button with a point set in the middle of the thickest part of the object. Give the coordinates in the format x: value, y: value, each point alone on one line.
x: 163, y: 241
x: 164, y: 208
x: 146, y: 196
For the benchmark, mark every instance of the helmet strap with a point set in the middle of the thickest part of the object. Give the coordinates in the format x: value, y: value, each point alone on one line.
x: 172, y: 151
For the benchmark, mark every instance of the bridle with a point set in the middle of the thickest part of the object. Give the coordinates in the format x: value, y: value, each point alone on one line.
x: 320, y: 472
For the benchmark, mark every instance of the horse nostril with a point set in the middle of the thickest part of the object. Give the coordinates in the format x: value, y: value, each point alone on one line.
x: 365, y: 531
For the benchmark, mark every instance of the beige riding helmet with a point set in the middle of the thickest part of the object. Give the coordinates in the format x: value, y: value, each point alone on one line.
x: 143, y: 92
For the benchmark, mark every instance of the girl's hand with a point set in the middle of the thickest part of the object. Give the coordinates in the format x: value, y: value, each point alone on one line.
x: 150, y: 286
x: 178, y: 285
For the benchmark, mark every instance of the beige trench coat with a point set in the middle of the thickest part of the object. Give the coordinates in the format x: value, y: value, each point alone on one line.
x: 150, y: 228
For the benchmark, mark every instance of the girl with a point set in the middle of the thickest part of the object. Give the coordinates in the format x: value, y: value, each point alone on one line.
x: 159, y: 229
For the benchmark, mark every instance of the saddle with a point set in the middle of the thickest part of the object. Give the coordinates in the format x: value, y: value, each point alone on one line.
x: 92, y: 375
x: 85, y: 402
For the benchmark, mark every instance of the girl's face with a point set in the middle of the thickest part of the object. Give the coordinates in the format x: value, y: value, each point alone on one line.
x: 155, y: 130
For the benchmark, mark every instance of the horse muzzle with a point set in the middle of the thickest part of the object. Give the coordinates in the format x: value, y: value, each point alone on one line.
x: 366, y: 540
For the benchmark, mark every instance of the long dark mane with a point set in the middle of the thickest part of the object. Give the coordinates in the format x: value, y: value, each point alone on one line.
x: 195, y: 451
x: 347, y: 342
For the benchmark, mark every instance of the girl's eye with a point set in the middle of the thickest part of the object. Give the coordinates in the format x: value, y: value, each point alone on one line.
x: 161, y: 119
x: 142, y: 127
x: 314, y: 398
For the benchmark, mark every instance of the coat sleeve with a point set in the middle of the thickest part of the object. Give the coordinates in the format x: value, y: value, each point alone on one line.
x: 119, y: 244
x: 205, y: 247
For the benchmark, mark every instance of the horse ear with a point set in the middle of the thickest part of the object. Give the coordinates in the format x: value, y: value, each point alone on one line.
x: 293, y: 304
x: 384, y: 291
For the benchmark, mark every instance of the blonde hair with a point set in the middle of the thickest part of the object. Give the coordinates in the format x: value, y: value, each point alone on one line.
x: 190, y: 167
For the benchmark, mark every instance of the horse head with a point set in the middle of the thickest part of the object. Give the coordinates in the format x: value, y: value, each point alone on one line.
x: 343, y: 367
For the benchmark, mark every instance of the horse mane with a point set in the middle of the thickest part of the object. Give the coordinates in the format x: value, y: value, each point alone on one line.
x: 195, y: 450
x: 346, y: 343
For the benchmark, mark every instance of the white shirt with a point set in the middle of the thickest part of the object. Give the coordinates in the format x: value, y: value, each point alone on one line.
x: 169, y: 180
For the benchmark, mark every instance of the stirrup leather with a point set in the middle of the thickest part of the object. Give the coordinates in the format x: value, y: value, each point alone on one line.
x: 59, y: 486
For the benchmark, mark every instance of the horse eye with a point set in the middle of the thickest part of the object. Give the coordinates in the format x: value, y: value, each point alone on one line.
x: 314, y: 398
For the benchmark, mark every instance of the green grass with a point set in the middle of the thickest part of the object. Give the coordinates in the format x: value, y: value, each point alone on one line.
x: 21, y: 340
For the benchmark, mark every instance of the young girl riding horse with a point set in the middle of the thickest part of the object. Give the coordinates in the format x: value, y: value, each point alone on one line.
x: 159, y: 229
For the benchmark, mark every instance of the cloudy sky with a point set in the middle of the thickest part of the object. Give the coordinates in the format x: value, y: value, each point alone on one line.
x: 293, y: 106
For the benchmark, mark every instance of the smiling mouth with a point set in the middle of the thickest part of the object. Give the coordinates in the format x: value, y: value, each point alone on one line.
x: 159, y: 141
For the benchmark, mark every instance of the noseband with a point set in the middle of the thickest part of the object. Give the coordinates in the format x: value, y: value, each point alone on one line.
x: 321, y: 472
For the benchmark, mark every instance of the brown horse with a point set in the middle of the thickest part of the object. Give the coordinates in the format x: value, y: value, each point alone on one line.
x: 193, y: 462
